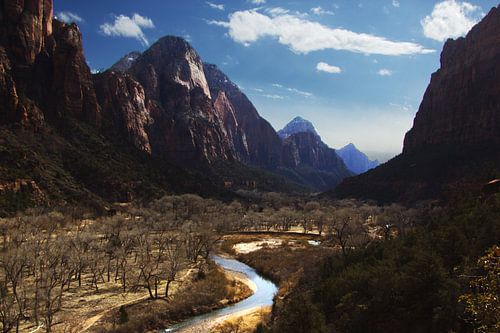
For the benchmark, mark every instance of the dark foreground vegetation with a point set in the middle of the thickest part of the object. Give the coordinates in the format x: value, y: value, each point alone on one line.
x: 428, y: 280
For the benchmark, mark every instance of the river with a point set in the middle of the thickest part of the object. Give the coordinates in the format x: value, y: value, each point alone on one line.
x: 263, y: 296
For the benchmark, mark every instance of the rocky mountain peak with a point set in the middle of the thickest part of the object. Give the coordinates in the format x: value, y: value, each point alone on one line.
x: 126, y: 62
x: 355, y: 160
x: 297, y: 125
x: 171, y: 59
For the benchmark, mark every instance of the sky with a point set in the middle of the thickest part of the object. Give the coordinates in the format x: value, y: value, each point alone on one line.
x: 357, y: 69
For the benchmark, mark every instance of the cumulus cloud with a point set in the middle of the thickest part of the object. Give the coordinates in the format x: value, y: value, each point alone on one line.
x: 215, y: 6
x: 395, y: 3
x: 304, y: 36
x: 258, y: 2
x: 324, y: 67
x: 450, y: 19
x: 69, y: 17
x: 384, y: 72
x: 320, y: 11
x: 130, y: 27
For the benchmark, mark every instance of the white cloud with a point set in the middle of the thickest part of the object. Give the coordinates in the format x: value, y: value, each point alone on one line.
x: 258, y: 90
x: 320, y: 11
x: 277, y: 11
x: 406, y: 107
x: 384, y: 72
x: 273, y: 96
x: 395, y: 3
x: 450, y: 19
x: 258, y: 2
x: 324, y: 67
x: 69, y: 17
x: 130, y: 27
x: 215, y: 6
x: 293, y: 90
x: 304, y: 36
x: 300, y: 92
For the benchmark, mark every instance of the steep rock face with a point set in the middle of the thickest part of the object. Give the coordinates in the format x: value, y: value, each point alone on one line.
x: 355, y: 160
x: 297, y: 125
x: 454, y: 143
x: 43, y: 73
x: 126, y: 62
x: 234, y: 132
x: 255, y: 140
x: 25, y: 28
x: 305, y: 148
x: 304, y: 152
x: 185, y: 128
x: 124, y: 108
x: 462, y: 103
x: 72, y: 89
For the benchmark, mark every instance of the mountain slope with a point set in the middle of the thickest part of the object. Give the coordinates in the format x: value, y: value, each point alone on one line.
x: 297, y: 125
x: 454, y: 142
x: 255, y: 141
x: 125, y: 62
x: 309, y: 160
x: 355, y: 160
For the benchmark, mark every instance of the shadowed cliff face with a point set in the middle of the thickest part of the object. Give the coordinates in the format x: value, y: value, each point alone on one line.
x: 256, y: 141
x: 124, y: 107
x: 455, y: 139
x: 462, y: 103
x: 43, y: 73
x: 308, y: 149
x: 312, y: 160
x: 25, y: 29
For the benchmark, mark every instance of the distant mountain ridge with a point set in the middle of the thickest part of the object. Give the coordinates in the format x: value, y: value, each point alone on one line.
x: 356, y: 160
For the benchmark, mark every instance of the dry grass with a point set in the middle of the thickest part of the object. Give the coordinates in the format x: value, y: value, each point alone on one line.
x: 214, y: 291
x: 83, y: 306
x: 243, y: 322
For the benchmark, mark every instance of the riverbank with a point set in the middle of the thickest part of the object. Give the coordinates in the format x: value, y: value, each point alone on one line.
x: 214, y: 290
x: 239, y: 313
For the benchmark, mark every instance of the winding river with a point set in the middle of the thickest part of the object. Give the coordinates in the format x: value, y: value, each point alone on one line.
x: 263, y: 296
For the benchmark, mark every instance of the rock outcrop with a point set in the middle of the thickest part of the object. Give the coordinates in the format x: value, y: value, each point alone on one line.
x: 254, y: 139
x: 25, y: 29
x: 355, y: 160
x: 43, y: 73
x: 297, y: 125
x: 454, y: 142
x: 126, y: 62
x: 186, y: 128
x: 125, y: 110
x: 315, y: 162
x: 462, y: 102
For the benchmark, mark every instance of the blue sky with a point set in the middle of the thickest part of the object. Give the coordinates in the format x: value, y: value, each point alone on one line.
x: 356, y: 68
